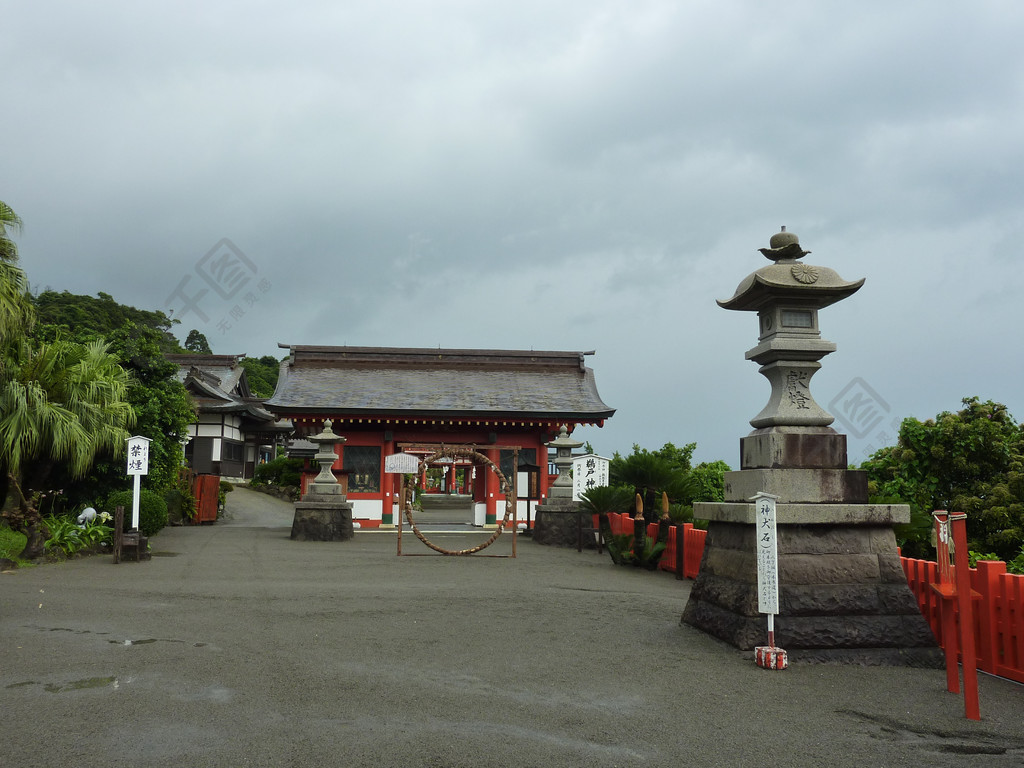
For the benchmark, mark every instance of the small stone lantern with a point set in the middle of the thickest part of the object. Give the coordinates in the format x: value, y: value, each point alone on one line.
x: 326, y: 484
x: 561, y: 488
x: 324, y: 514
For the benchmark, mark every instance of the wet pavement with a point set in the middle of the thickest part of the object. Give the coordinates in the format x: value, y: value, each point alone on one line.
x: 235, y: 646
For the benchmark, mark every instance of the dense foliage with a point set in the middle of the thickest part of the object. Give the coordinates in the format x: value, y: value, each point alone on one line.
x: 667, y: 470
x: 76, y: 374
x: 84, y: 318
x: 281, y: 471
x: 970, y: 461
x: 261, y: 374
x: 152, y: 509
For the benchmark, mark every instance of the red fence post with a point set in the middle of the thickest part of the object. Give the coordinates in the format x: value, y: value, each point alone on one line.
x: 987, y: 585
x: 965, y: 599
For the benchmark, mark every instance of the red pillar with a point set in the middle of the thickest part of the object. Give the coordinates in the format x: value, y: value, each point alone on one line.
x: 491, y: 488
x: 387, y: 487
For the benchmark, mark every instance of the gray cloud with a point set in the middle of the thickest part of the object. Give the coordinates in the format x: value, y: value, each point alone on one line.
x: 526, y: 175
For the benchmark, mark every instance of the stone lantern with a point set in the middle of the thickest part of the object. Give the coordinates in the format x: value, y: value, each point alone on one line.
x: 843, y: 593
x: 323, y: 514
x: 558, y: 520
x: 325, y: 483
x: 564, y: 445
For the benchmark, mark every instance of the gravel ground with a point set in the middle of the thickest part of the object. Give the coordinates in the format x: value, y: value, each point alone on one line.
x: 235, y: 646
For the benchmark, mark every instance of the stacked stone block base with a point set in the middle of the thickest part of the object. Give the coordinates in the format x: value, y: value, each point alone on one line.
x: 843, y: 596
x: 322, y: 521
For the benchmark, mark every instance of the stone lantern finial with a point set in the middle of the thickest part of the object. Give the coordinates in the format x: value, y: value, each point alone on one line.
x: 784, y: 246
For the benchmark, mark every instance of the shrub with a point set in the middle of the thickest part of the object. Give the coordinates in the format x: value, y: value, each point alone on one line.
x: 280, y: 471
x: 152, y: 509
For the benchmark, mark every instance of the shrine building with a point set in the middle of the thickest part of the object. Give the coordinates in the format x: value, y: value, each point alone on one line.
x: 384, y: 400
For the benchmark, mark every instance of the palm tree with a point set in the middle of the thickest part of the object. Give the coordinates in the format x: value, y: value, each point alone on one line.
x: 649, y: 475
x: 62, y: 402
x: 16, y: 315
x: 8, y: 220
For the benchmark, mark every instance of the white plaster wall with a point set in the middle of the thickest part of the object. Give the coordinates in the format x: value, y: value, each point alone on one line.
x: 366, y: 509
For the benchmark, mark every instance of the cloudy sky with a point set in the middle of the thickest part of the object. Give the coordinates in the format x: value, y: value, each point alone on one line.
x: 574, y: 175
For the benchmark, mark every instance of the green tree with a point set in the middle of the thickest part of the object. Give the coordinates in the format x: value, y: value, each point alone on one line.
x: 261, y: 374
x: 163, y: 410
x: 9, y: 222
x: 84, y: 318
x: 970, y: 461
x: 63, y: 403
x: 197, y: 343
x: 16, y: 316
x: 709, y: 478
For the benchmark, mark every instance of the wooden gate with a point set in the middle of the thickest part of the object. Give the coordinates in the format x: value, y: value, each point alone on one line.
x: 206, y: 489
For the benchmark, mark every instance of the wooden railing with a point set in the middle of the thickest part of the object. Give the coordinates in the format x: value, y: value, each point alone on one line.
x: 998, y: 612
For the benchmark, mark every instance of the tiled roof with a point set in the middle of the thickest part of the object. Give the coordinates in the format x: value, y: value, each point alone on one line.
x: 384, y: 380
x: 217, y: 384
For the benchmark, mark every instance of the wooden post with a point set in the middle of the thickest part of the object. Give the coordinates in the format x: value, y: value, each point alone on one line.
x: 965, y: 597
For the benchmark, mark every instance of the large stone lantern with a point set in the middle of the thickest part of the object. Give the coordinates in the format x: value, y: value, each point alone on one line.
x: 843, y: 593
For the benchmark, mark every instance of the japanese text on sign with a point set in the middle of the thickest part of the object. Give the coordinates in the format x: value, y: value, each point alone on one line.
x: 766, y: 544
x: 588, y: 472
x: 138, y: 455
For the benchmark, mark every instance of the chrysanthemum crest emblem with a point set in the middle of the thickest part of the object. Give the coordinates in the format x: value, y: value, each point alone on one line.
x: 804, y: 273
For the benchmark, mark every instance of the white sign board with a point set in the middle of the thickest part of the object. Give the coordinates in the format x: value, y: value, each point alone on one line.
x: 589, y: 471
x: 767, y: 554
x: 401, y: 464
x: 138, y: 455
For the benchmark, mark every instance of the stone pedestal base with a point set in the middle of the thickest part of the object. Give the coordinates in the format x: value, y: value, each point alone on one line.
x: 557, y: 524
x: 322, y: 521
x: 842, y: 591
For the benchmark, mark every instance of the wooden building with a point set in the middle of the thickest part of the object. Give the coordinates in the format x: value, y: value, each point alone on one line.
x: 232, y: 432
x: 389, y: 400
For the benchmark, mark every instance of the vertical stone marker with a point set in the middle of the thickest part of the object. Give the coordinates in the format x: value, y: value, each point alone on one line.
x: 843, y: 595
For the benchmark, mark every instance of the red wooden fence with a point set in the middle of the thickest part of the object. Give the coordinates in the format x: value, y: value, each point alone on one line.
x: 999, y: 612
x: 693, y: 543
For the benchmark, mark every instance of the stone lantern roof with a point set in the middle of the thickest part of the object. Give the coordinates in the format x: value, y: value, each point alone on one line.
x: 790, y: 280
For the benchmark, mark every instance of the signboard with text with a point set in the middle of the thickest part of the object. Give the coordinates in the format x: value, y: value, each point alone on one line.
x: 138, y: 455
x: 767, y: 554
x: 589, y: 471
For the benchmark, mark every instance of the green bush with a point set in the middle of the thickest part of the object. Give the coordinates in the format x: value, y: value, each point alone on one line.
x: 280, y: 471
x: 152, y: 510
